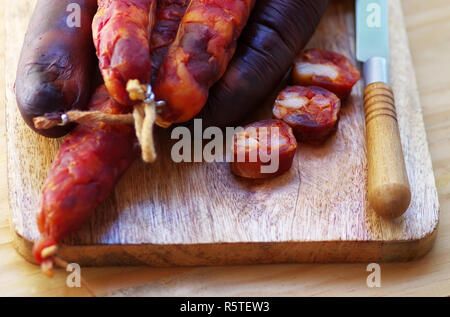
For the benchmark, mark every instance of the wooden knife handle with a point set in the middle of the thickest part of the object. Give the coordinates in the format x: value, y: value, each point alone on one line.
x: 388, y: 185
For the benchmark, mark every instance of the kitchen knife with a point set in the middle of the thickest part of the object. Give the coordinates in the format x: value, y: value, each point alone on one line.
x: 388, y: 186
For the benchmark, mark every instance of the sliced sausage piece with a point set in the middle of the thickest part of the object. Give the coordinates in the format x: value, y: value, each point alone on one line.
x: 325, y: 69
x: 263, y: 149
x: 312, y: 112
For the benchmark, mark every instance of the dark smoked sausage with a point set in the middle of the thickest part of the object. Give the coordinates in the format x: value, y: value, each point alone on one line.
x: 276, y: 33
x: 57, y: 62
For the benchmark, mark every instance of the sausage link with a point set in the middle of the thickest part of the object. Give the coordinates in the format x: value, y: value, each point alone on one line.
x: 168, y: 17
x: 88, y: 165
x: 55, y: 67
x: 205, y: 44
x: 121, y: 31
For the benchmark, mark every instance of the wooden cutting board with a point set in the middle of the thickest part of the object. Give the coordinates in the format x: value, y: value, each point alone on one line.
x: 170, y: 214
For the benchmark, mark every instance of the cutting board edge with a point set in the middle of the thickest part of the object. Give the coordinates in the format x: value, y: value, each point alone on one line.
x: 242, y: 253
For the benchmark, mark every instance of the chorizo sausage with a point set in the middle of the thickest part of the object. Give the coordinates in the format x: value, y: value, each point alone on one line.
x: 276, y: 33
x: 88, y: 165
x: 312, y: 112
x: 56, y: 62
x: 205, y: 43
x: 121, y: 31
x: 168, y: 17
x: 269, y: 143
x: 325, y: 69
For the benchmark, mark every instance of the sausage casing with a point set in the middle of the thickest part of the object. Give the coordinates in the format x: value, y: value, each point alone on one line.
x: 121, y: 31
x: 205, y: 44
x: 168, y: 17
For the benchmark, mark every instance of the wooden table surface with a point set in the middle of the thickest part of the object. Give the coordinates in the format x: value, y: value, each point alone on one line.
x: 428, y: 25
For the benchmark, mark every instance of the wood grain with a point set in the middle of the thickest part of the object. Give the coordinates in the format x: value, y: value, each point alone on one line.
x: 198, y: 214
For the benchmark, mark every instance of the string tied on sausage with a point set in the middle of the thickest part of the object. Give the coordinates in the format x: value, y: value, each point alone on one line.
x: 143, y: 117
x: 50, y: 258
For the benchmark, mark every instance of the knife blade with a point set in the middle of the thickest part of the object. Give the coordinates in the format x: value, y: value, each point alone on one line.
x: 372, y: 39
x: 389, y: 193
